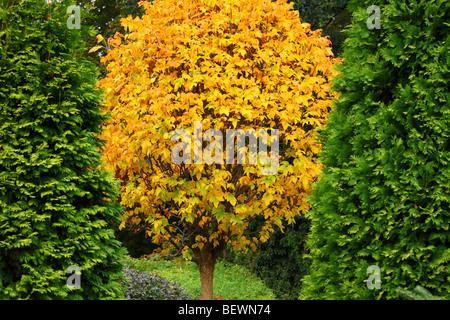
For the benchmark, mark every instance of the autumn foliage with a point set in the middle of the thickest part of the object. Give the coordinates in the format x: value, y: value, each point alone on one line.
x: 231, y: 65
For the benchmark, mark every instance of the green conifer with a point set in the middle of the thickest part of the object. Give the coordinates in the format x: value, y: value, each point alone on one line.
x: 57, y: 204
x: 383, y: 199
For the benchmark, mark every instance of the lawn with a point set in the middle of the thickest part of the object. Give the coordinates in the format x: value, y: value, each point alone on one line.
x: 231, y: 281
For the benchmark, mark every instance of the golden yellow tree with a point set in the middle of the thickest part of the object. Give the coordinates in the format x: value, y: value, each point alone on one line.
x: 197, y: 70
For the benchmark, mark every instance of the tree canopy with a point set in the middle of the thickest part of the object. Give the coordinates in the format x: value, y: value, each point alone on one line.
x: 197, y: 66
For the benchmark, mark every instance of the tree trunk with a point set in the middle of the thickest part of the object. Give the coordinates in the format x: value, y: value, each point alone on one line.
x: 206, y: 259
x: 206, y: 266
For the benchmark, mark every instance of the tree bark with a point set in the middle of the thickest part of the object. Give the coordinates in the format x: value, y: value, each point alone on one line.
x: 206, y: 259
x: 206, y: 266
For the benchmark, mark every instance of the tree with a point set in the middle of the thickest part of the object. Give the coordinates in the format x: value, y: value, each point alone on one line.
x: 381, y: 203
x: 279, y: 261
x: 319, y: 13
x: 105, y: 15
x: 331, y: 16
x: 57, y: 203
x: 190, y: 66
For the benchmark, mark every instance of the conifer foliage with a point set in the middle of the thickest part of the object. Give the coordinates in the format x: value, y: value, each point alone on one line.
x: 56, y: 202
x: 383, y: 198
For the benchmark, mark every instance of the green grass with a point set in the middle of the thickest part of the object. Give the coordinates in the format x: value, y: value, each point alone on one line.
x: 233, y: 282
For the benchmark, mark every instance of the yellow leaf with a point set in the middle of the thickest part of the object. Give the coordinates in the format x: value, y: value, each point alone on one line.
x: 99, y: 38
x: 234, y: 121
x: 218, y: 194
x: 232, y: 199
x: 225, y: 111
x: 93, y: 49
x: 186, y: 254
x: 242, y: 52
x: 305, y: 183
x: 172, y: 63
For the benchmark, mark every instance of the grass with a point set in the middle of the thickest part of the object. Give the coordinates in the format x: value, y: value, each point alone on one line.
x: 233, y: 282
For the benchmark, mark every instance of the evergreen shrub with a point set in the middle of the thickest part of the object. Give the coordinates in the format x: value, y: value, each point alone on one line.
x: 57, y: 203
x: 383, y: 198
